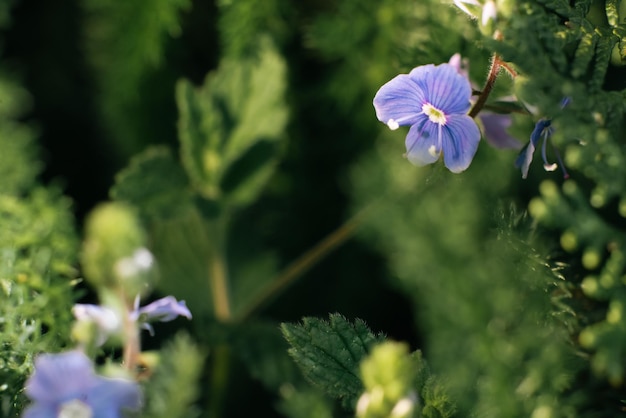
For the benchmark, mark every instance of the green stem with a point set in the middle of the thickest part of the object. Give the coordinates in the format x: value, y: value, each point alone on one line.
x: 218, y: 270
x: 218, y: 281
x: 304, y: 263
x: 219, y: 380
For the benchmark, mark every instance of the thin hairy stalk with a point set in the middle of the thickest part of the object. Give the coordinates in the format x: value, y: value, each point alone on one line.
x: 304, y: 263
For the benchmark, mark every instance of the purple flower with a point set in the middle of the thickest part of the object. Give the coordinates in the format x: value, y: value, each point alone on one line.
x: 164, y: 310
x: 433, y: 101
x: 107, y: 321
x: 495, y: 127
x: 65, y: 385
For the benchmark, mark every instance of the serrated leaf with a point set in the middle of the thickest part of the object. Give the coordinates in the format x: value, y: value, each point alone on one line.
x: 584, y: 54
x: 329, y: 353
x: 231, y: 127
x: 604, y: 48
x: 154, y: 183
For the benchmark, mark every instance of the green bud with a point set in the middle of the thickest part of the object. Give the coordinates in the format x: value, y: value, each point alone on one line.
x: 113, y: 254
x: 387, y: 374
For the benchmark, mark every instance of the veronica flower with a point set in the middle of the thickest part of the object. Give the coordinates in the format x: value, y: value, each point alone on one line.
x: 65, y: 385
x: 163, y: 310
x: 495, y: 127
x: 109, y: 322
x: 433, y: 101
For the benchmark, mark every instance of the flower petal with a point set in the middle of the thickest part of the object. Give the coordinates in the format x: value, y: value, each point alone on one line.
x: 422, y: 142
x: 525, y: 156
x: 110, y: 395
x: 60, y: 377
x: 494, y: 128
x: 445, y: 88
x: 460, y: 137
x: 400, y: 99
x: 164, y: 310
x: 37, y: 410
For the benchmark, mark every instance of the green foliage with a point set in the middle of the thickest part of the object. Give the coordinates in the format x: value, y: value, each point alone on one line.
x: 482, y: 291
x: 329, y: 353
x: 123, y: 63
x: 18, y: 163
x: 175, y: 384
x: 304, y: 404
x: 37, y: 255
x: 230, y: 129
x: 241, y: 22
x: 155, y: 184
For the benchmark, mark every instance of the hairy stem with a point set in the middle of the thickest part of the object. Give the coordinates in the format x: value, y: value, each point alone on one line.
x: 496, y: 65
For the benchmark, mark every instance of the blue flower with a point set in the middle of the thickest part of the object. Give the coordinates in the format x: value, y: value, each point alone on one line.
x: 543, y: 130
x: 433, y: 101
x: 164, y: 310
x: 65, y: 385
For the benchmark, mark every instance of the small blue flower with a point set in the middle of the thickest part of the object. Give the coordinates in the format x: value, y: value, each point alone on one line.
x: 163, y: 310
x: 542, y: 130
x: 433, y: 101
x: 65, y: 385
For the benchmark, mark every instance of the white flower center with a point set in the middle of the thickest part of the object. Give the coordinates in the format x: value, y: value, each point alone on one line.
x: 75, y: 409
x: 435, y: 115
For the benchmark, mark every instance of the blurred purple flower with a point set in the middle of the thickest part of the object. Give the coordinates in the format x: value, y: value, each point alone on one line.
x: 65, y: 385
x: 163, y: 310
x: 433, y: 101
x: 495, y: 127
x: 106, y: 320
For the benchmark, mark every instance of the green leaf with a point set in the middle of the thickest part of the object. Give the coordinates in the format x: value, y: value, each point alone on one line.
x: 155, y: 183
x: 263, y: 350
x: 231, y: 128
x: 329, y: 353
x: 181, y: 246
x: 174, y: 386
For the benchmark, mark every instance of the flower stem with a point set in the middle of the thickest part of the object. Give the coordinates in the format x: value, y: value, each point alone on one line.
x: 496, y: 65
x: 132, y: 339
x: 304, y: 263
x: 218, y: 271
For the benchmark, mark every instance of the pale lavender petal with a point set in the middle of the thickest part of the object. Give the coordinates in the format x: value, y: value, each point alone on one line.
x: 495, y: 127
x: 461, y: 65
x: 165, y: 309
x: 460, y: 138
x: 111, y: 395
x: 445, y: 88
x: 73, y: 369
x: 525, y: 158
x: 422, y: 143
x: 400, y: 100
x: 37, y: 410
